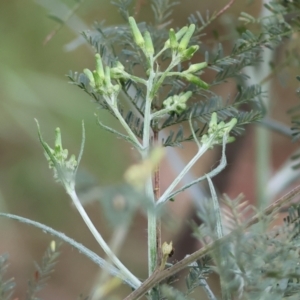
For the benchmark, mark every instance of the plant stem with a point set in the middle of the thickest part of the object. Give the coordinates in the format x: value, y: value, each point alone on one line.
x: 157, y: 195
x: 113, y: 271
x: 172, y: 186
x: 126, y: 127
x: 100, y: 240
x: 158, y: 275
x: 152, y: 255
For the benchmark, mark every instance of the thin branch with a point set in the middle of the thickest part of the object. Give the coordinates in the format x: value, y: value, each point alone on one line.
x: 218, y: 14
x: 226, y: 7
x: 123, y: 269
x: 81, y: 248
x: 211, y: 174
x: 158, y: 275
x: 157, y: 195
x: 63, y: 21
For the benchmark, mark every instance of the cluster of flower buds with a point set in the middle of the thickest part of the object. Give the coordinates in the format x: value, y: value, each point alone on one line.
x: 100, y: 79
x: 144, y: 42
x: 177, y: 103
x: 178, y: 42
x: 64, y: 168
x: 218, y: 130
x: 190, y: 76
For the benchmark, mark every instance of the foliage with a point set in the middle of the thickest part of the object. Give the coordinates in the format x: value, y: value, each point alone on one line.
x: 40, y: 277
x: 150, y: 77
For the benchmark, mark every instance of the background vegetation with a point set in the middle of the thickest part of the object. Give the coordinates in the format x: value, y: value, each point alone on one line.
x: 33, y: 85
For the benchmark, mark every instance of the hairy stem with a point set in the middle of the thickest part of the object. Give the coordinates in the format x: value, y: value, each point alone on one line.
x: 159, y: 275
x: 152, y: 256
x: 157, y: 195
x: 82, y: 249
x: 100, y: 240
x: 166, y: 195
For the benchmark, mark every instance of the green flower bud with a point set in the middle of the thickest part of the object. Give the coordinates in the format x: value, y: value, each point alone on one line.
x: 186, y: 38
x: 137, y: 36
x: 177, y: 103
x: 179, y: 108
x: 57, y: 144
x: 231, y: 124
x: 178, y: 35
x: 97, y: 79
x: 185, y: 97
x: 196, y: 80
x: 213, y: 121
x: 204, y: 138
x: 221, y: 125
x: 172, y: 39
x: 117, y: 71
x: 148, y: 44
x: 189, y: 53
x: 168, y: 102
x: 90, y: 76
x: 99, y: 66
x: 71, y: 164
x: 116, y: 88
x: 107, y: 77
x: 196, y: 67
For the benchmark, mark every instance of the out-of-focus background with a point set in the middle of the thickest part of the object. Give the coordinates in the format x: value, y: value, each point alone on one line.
x: 34, y: 85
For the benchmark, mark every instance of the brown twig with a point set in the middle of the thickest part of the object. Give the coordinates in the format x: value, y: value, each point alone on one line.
x: 138, y: 6
x: 64, y: 20
x: 227, y: 6
x: 158, y: 275
x: 218, y: 14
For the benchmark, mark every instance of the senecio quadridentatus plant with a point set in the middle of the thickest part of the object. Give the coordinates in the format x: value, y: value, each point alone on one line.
x: 107, y: 81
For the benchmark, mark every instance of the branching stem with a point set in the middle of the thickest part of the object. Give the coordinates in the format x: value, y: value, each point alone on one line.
x: 127, y: 274
x: 158, y: 275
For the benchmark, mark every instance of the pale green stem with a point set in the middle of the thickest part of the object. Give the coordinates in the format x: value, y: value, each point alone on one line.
x: 263, y: 138
x: 160, y: 113
x: 100, y: 240
x: 211, y: 174
x: 165, y: 196
x: 152, y: 251
x: 217, y: 210
x: 82, y: 249
x: 123, y: 123
x: 152, y: 255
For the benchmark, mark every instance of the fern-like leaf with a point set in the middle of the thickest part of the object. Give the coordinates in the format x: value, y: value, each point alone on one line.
x: 6, y: 286
x: 43, y: 271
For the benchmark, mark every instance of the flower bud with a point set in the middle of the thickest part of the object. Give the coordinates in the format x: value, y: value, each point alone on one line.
x: 186, y: 38
x: 168, y: 102
x: 178, y: 35
x: 97, y: 79
x: 53, y: 246
x: 117, y: 71
x: 99, y: 66
x: 185, y: 97
x: 180, y: 107
x: 213, y: 121
x: 90, y: 77
x: 107, y: 77
x: 196, y: 80
x: 231, y: 124
x: 196, y: 67
x: 148, y: 44
x: 188, y: 53
x: 172, y: 39
x: 137, y: 36
x: 166, y: 248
